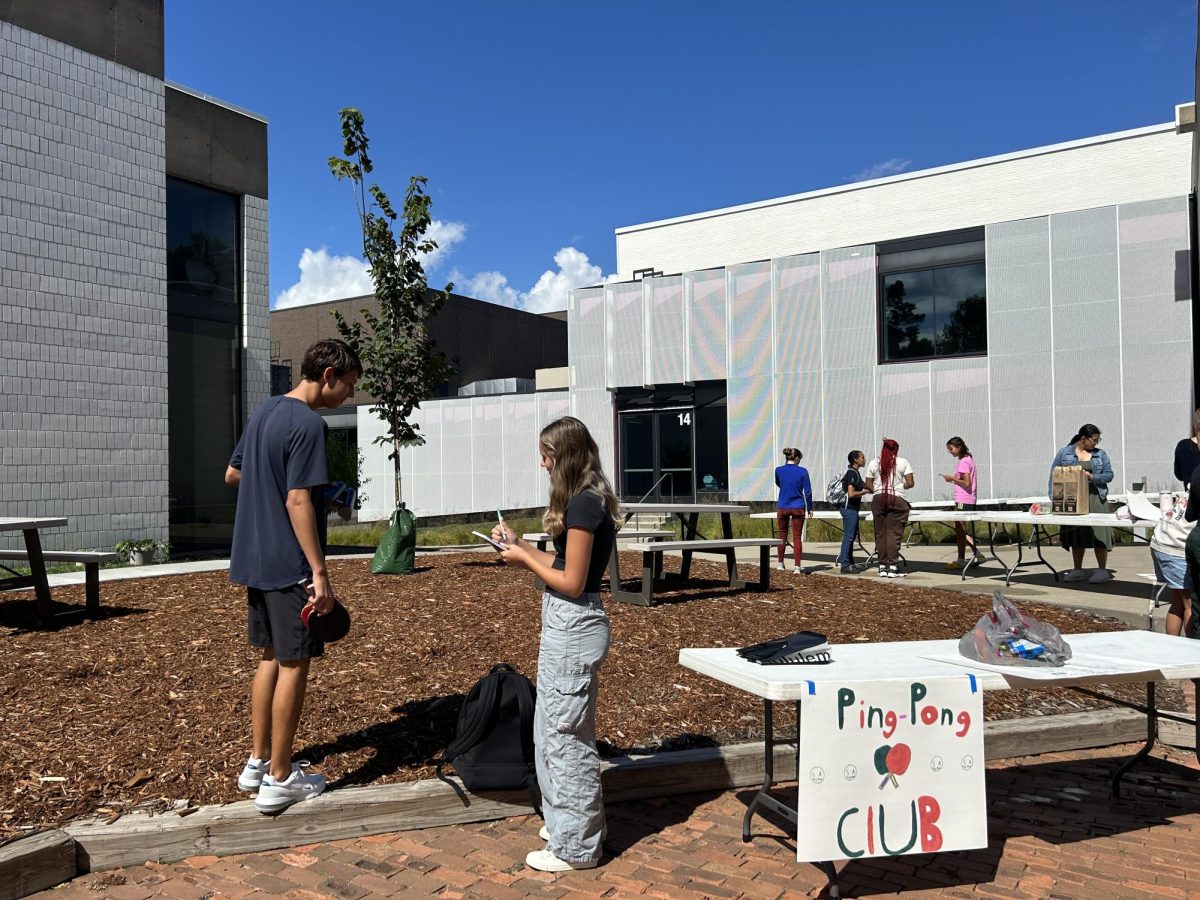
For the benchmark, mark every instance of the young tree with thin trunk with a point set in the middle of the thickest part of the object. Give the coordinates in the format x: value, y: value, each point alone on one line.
x: 402, y: 364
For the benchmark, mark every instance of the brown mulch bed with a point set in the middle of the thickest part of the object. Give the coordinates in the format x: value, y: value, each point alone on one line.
x: 149, y: 706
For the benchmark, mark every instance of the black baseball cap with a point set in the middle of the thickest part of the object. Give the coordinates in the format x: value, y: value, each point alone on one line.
x: 332, y: 626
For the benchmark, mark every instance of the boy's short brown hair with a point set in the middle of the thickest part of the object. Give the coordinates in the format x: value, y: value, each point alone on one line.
x: 329, y: 354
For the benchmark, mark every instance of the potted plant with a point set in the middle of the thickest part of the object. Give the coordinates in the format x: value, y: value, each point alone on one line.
x: 141, y: 551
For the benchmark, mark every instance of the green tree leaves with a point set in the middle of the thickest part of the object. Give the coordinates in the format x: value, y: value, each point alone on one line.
x: 402, y: 364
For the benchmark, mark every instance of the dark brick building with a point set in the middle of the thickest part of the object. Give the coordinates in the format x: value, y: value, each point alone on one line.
x: 483, y: 340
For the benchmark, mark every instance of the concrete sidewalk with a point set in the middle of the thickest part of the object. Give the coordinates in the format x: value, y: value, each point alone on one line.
x: 1054, y: 831
x: 1126, y: 597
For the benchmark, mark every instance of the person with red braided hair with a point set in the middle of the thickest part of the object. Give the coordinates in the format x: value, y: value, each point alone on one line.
x: 889, y: 506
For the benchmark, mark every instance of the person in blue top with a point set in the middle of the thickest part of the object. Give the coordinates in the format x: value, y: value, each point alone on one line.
x: 795, y: 504
x: 1084, y: 450
x: 278, y: 553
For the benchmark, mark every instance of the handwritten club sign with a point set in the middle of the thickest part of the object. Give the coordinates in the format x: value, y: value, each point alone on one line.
x: 889, y: 768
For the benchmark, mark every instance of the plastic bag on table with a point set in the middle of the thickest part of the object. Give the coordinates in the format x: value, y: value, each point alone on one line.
x: 1008, y: 637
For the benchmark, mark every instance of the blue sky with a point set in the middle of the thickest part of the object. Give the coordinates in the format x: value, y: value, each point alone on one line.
x: 542, y: 126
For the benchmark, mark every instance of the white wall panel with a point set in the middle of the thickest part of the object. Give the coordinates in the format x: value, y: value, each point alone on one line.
x: 1020, y: 360
x: 586, y: 339
x: 798, y: 313
x: 902, y: 413
x: 750, y: 320
x: 519, y: 417
x: 624, y: 334
x: 751, y: 439
x: 425, y: 496
x: 487, y: 457
x: 849, y: 307
x: 595, y: 410
x: 708, y: 334
x: 798, y: 421
x: 552, y: 405
x: 377, y: 468
x: 457, y: 462
x: 959, y: 406
x: 1156, y: 350
x: 665, y: 335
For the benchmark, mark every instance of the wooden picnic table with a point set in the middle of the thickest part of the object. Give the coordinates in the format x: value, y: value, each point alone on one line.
x: 36, y: 579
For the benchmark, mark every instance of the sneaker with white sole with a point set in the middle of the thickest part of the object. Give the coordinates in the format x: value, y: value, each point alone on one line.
x: 1100, y: 576
x: 897, y: 573
x: 884, y: 572
x: 1074, y: 575
x: 276, y: 796
x: 545, y: 861
x: 781, y: 567
x: 253, y: 773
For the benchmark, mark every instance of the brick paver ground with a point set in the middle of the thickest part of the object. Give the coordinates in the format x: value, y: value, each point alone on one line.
x: 1054, y: 833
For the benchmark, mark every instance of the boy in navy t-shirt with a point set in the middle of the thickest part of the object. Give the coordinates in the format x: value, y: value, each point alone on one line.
x: 278, y: 553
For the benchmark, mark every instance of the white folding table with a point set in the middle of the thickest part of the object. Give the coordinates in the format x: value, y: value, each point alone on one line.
x: 1038, y: 525
x: 1135, y: 656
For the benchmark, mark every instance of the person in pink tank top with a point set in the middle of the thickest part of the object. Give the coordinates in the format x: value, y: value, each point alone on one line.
x: 966, y: 496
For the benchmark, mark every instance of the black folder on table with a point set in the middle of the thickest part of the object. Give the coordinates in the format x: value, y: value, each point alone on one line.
x: 801, y: 648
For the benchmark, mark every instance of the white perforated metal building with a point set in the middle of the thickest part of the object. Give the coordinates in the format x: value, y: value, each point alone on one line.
x: 817, y: 321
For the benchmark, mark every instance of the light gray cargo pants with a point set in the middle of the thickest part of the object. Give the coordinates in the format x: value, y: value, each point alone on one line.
x: 575, y: 639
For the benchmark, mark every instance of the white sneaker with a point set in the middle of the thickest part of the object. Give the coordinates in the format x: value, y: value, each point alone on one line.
x: 545, y: 861
x: 896, y: 573
x: 781, y: 567
x: 276, y: 796
x: 1074, y: 575
x: 252, y: 774
x: 884, y: 572
x: 1100, y: 576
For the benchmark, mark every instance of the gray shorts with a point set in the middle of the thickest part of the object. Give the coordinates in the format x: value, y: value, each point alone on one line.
x: 274, y: 621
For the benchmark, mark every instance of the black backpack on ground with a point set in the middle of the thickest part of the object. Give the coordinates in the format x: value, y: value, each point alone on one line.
x: 493, y: 749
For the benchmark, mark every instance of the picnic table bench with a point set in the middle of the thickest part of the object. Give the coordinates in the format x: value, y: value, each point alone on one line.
x: 542, y: 539
x: 89, y: 559
x: 652, y: 557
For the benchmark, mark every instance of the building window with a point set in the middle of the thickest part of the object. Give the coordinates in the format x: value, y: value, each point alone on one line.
x: 933, y: 297
x: 204, y: 377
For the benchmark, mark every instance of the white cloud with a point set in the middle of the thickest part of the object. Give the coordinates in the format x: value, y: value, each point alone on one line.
x: 549, y: 292
x: 893, y: 166
x: 324, y: 277
x: 445, y: 235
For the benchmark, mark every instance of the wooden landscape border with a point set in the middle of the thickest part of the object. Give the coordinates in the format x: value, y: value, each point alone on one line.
x: 52, y: 857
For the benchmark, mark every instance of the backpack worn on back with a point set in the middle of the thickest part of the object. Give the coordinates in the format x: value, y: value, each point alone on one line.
x: 835, y: 491
x: 493, y: 749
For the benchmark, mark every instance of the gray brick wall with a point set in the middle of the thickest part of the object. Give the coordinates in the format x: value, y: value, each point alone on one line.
x: 256, y: 302
x: 83, y: 321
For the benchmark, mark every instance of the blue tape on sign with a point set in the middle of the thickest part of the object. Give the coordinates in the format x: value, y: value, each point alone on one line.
x: 812, y: 687
x: 974, y: 686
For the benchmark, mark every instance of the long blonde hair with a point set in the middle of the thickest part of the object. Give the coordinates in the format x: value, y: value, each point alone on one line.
x: 576, y: 469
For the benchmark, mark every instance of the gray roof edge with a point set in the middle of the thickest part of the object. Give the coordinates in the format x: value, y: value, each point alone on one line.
x: 216, y: 101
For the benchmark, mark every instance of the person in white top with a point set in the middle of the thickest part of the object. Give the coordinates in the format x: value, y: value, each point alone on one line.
x: 1168, y: 550
x: 889, y: 507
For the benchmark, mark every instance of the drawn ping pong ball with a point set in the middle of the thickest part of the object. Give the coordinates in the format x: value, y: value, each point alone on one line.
x: 936, y: 764
x: 967, y: 762
x: 817, y: 775
x: 850, y: 773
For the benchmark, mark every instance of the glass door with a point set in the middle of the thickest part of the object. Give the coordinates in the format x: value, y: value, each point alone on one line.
x: 657, y: 462
x: 637, y: 455
x: 674, y: 464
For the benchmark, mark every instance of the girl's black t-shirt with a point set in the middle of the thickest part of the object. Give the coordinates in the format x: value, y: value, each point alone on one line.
x: 586, y: 510
x: 852, y: 478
